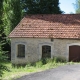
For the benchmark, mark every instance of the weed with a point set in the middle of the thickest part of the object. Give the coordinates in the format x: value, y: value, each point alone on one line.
x: 41, y: 65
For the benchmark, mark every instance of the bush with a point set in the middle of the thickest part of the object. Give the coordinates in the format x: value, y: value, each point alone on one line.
x: 3, y: 58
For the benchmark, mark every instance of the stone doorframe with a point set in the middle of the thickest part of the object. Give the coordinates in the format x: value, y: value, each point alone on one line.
x: 67, y: 51
x: 40, y: 49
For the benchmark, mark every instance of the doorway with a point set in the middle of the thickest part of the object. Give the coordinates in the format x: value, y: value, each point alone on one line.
x: 74, y: 53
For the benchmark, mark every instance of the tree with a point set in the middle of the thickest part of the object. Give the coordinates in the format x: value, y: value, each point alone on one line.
x: 12, y: 14
x: 42, y: 7
x: 1, y: 12
x: 7, y: 16
x: 17, y: 12
x: 2, y: 56
x: 77, y: 6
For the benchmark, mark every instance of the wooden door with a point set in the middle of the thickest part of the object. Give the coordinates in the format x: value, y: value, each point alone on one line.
x: 74, y: 53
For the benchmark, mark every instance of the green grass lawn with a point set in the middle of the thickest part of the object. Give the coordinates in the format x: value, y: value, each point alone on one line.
x: 16, y: 72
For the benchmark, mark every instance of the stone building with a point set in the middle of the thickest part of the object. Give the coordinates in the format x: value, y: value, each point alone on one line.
x: 46, y: 36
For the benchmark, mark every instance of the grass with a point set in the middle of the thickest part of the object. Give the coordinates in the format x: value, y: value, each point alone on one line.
x: 16, y: 72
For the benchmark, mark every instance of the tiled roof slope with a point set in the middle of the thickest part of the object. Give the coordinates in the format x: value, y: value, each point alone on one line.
x: 48, y: 26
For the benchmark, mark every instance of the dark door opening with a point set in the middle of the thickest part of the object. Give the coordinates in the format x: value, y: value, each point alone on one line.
x: 74, y: 53
x: 46, y: 51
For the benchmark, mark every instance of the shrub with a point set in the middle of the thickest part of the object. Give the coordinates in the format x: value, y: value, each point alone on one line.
x: 3, y: 58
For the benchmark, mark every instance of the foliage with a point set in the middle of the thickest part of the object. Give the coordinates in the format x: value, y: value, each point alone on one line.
x: 7, y: 16
x: 1, y: 22
x: 17, y: 12
x: 42, y: 7
x: 3, y: 58
x: 77, y: 6
x: 1, y: 6
x: 12, y: 14
x: 16, y: 72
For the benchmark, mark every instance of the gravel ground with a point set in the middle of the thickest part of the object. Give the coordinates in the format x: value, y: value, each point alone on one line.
x: 68, y: 72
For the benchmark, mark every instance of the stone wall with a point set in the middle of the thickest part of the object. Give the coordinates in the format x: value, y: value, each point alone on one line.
x: 33, y: 50
x: 61, y: 47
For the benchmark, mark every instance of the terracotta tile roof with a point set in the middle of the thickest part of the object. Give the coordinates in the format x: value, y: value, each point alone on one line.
x: 48, y: 26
